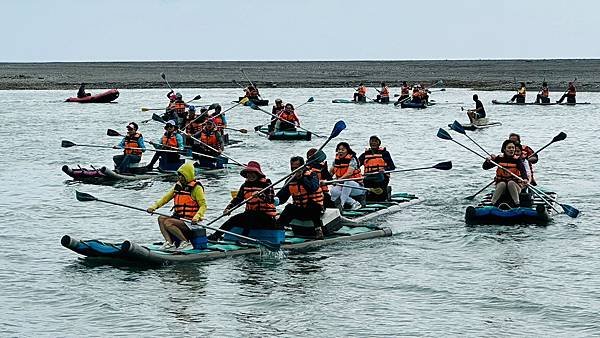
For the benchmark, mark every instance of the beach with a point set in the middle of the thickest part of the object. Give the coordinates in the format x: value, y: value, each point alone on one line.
x: 475, y: 74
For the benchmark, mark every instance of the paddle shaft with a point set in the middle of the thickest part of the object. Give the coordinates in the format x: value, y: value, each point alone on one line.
x: 164, y: 77
x: 219, y: 114
x: 292, y: 123
x: 177, y: 150
x: 111, y: 147
x: 376, y: 173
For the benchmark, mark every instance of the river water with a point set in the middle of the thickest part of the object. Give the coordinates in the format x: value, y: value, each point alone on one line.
x: 434, y: 277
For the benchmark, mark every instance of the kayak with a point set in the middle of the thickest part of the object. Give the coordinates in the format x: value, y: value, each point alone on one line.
x: 107, y: 96
x: 358, y: 102
x: 288, y: 135
x: 420, y: 105
x: 481, y: 123
x: 132, y: 253
x: 538, y: 104
x: 534, y: 212
x: 105, y: 175
x: 256, y: 102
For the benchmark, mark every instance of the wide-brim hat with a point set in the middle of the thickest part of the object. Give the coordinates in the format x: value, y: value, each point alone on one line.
x: 254, y: 167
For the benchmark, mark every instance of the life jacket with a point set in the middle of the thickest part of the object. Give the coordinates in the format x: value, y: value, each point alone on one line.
x: 545, y: 92
x: 170, y: 141
x: 301, y: 197
x: 210, y: 138
x: 257, y: 203
x: 317, y: 168
x: 362, y: 90
x: 416, y: 93
x: 571, y: 91
x: 341, y: 165
x: 522, y: 91
x: 193, y: 127
x: 132, y: 142
x: 405, y: 90
x: 177, y: 106
x: 511, y: 165
x: 288, y: 116
x: 184, y: 205
x: 374, y: 161
x: 385, y: 92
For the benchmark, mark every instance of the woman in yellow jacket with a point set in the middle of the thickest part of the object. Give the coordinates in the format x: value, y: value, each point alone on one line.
x: 189, y: 203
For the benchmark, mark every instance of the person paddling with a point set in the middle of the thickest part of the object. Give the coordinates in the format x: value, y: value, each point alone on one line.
x: 288, y: 114
x: 528, y: 153
x: 193, y: 124
x: 520, y: 95
x: 220, y: 122
x: 189, y: 203
x: 323, y: 174
x: 376, y: 159
x: 305, y: 190
x: 81, y: 92
x: 346, y: 165
x: 252, y: 93
x: 260, y: 209
x: 505, y: 182
x: 277, y: 109
x: 209, y: 136
x: 176, y: 110
x: 384, y: 94
x: 543, y: 95
x: 478, y: 112
x: 569, y: 95
x: 361, y: 93
x: 404, y: 92
x: 133, y: 139
x: 171, y: 140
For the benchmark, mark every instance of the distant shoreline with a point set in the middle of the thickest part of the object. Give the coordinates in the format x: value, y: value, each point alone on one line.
x: 475, y: 74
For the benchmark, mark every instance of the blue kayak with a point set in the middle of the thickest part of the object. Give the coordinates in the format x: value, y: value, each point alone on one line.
x: 532, y: 211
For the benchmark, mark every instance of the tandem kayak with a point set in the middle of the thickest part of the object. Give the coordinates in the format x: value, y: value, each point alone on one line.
x: 419, y: 105
x: 534, y: 212
x: 538, y: 104
x: 151, y: 254
x: 358, y: 102
x: 106, y: 97
x: 256, y: 102
x: 481, y: 123
x: 288, y: 135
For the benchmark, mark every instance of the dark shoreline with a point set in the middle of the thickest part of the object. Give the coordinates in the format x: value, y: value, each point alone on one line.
x: 475, y: 74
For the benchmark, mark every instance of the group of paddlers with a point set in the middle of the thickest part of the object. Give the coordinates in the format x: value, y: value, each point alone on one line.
x: 313, y: 187
x: 543, y: 95
x: 419, y: 94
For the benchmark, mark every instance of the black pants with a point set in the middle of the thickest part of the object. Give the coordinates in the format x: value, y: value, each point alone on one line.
x: 312, y: 212
x: 519, y: 98
x: 169, y: 157
x: 385, y: 99
x: 122, y: 162
x: 570, y: 98
x: 383, y: 184
x: 247, y: 220
x: 360, y: 98
x: 542, y: 99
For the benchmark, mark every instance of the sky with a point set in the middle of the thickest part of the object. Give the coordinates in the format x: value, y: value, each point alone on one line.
x: 185, y: 30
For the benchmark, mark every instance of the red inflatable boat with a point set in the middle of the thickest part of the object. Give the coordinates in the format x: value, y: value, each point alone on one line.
x: 107, y: 96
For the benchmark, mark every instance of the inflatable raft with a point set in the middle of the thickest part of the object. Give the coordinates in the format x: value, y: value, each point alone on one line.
x: 532, y: 211
x: 481, y: 123
x: 295, y: 135
x: 107, y: 96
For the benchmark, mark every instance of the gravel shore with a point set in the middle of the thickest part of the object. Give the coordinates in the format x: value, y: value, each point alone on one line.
x: 476, y: 74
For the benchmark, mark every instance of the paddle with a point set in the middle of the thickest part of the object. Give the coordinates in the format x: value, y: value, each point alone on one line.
x: 241, y: 130
x: 164, y: 77
x: 159, y: 119
x: 255, y: 107
x: 401, y: 101
x: 242, y: 101
x: 569, y: 210
x: 310, y: 99
x: 237, y: 83
x: 85, y: 197
x: 376, y: 191
x: 457, y: 127
x: 251, y: 83
x: 378, y: 176
x: 197, y: 97
x: 69, y: 144
x: 561, y: 136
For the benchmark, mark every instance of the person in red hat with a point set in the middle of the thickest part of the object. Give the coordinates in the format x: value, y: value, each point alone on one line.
x: 260, y: 209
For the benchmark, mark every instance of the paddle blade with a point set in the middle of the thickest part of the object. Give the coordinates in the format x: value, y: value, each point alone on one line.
x: 457, y: 127
x: 561, y: 136
x: 443, y: 165
x: 337, y: 129
x: 84, y: 197
x: 311, y: 99
x: 67, y: 144
x: 570, y: 211
x: 443, y: 134
x: 251, y: 105
x: 243, y: 131
x: 213, y: 106
x: 163, y: 76
x: 112, y: 132
x: 156, y: 117
x: 197, y: 97
x: 257, y: 128
x: 317, y: 157
x: 145, y: 109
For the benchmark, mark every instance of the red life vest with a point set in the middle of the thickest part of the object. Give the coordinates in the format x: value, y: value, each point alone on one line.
x: 132, y: 142
x: 288, y: 116
x: 341, y: 165
x: 193, y: 127
x: 545, y: 92
x: 374, y: 161
x: 170, y: 141
x: 405, y: 90
x: 571, y: 91
x: 385, y: 92
x: 362, y: 90
x: 301, y: 197
x: 258, y: 203
x: 210, y: 138
x: 511, y: 165
x: 184, y: 205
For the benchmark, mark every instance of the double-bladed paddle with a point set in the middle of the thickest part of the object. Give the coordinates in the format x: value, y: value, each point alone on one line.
x: 85, y: 197
x: 379, y: 176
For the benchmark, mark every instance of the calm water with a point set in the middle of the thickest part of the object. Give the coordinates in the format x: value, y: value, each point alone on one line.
x: 434, y: 277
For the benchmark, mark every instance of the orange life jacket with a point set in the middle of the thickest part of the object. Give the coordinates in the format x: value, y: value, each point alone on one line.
x: 288, y: 116
x: 405, y: 90
x: 502, y: 175
x: 193, y: 127
x: 210, y: 138
x: 362, y: 90
x: 317, y: 168
x: 385, y: 92
x: 257, y: 203
x: 571, y: 91
x: 545, y: 92
x: 178, y: 107
x: 170, y: 141
x: 301, y: 197
x: 132, y: 142
x: 341, y: 165
x: 416, y: 93
x: 374, y: 160
x: 184, y: 205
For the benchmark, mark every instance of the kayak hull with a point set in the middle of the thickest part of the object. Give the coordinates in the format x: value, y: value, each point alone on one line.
x: 106, y: 97
x: 534, y: 212
x: 482, y: 123
x: 538, y: 104
x: 296, y: 135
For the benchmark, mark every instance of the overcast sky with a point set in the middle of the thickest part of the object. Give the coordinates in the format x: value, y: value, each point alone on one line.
x: 148, y: 30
